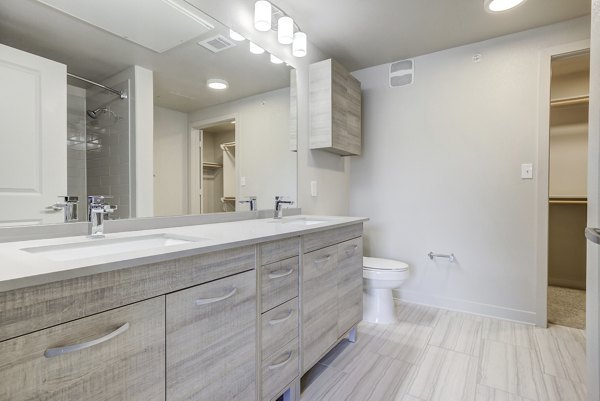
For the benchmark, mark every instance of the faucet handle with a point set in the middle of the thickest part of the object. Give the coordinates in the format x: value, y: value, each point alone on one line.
x: 98, y: 199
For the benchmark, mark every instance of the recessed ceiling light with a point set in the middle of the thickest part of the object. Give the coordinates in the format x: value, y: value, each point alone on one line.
x: 276, y: 60
x: 256, y: 49
x: 218, y: 84
x: 496, y: 6
x: 236, y: 36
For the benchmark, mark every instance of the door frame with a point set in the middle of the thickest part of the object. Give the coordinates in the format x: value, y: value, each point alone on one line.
x: 542, y: 187
x: 201, y: 125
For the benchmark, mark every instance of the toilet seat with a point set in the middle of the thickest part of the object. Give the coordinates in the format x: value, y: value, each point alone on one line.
x: 379, y: 264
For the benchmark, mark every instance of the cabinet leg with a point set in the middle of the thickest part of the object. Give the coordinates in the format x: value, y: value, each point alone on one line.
x: 352, y: 335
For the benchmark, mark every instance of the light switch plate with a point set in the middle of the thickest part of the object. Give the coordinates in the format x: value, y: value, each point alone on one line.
x: 527, y: 171
x: 243, y: 181
x: 313, y: 188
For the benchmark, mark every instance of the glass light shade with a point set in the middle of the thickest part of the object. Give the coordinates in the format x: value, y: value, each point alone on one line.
x: 262, y: 15
x: 218, y: 84
x: 496, y: 6
x: 236, y: 36
x: 285, y: 30
x: 276, y: 60
x: 256, y: 49
x: 299, y: 45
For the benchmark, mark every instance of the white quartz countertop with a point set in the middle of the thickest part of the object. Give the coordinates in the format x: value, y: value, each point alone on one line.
x: 21, y: 268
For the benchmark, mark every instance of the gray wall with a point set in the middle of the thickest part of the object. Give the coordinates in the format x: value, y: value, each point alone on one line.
x: 441, y: 171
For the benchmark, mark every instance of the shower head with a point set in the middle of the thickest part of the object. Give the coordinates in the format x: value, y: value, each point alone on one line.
x: 93, y: 114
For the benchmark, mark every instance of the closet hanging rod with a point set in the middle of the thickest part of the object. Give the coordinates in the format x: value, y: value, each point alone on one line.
x: 122, y: 94
x: 570, y: 101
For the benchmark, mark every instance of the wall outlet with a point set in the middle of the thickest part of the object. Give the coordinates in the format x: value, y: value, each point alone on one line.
x: 313, y: 188
x: 527, y: 171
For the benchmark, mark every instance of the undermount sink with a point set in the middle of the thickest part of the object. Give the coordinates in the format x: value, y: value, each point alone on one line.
x: 299, y: 221
x: 102, y: 247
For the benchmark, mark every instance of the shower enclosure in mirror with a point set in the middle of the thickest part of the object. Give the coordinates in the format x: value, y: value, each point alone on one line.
x: 98, y: 105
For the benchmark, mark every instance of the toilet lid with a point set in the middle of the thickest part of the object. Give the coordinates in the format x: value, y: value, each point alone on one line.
x: 383, y: 264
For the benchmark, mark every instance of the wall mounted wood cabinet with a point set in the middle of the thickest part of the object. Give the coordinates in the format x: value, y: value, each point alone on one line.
x: 335, y: 109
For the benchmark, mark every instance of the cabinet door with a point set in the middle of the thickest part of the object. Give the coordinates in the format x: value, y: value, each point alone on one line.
x: 115, y: 355
x: 319, y: 304
x: 211, y: 341
x: 349, y: 284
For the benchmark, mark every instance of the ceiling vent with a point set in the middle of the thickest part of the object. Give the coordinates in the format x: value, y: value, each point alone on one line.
x: 217, y: 43
x: 402, y: 73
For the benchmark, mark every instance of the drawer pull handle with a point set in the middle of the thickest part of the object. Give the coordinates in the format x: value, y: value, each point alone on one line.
x: 205, y: 301
x: 281, y: 364
x: 350, y: 250
x: 322, y: 260
x: 52, y: 352
x: 273, y: 322
x: 280, y: 273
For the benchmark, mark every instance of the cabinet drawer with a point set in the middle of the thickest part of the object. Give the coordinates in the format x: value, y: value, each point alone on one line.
x: 322, y: 239
x: 279, y: 327
x: 275, y: 251
x: 279, y: 370
x: 115, y: 355
x: 211, y: 340
x: 319, y: 304
x: 350, y: 281
x: 279, y: 283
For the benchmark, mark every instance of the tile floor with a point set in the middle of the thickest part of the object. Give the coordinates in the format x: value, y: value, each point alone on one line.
x: 439, y: 355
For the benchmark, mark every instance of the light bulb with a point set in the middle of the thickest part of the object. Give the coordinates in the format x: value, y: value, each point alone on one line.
x: 276, y: 60
x: 262, y: 15
x: 285, y: 30
x: 299, y: 45
x: 496, y: 6
x: 218, y: 84
x: 255, y: 49
x: 236, y: 36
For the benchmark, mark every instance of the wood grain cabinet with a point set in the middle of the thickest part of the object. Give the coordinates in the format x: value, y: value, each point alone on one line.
x: 335, y: 109
x: 331, y: 290
x: 114, y: 355
x: 211, y: 341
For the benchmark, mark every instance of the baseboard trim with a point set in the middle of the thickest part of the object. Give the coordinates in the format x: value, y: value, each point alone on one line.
x: 460, y: 305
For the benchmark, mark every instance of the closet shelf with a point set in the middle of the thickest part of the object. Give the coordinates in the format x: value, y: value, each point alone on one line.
x: 567, y: 200
x: 228, y: 199
x: 212, y: 165
x: 227, y: 145
x: 570, y: 101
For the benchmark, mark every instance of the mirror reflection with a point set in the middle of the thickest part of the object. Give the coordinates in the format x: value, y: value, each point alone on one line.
x: 158, y: 111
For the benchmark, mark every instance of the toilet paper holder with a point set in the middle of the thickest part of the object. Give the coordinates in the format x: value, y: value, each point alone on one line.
x: 451, y: 258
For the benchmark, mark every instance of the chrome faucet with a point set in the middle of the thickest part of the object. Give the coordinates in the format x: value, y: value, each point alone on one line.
x: 69, y: 206
x: 96, y: 211
x: 252, y: 201
x: 278, y: 212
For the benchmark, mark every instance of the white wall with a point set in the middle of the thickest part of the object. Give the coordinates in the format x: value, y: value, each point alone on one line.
x: 440, y: 171
x: 262, y: 155
x: 170, y: 162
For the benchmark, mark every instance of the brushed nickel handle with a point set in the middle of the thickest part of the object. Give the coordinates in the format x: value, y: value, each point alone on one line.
x: 275, y: 275
x: 273, y: 322
x: 324, y: 259
x: 52, y: 352
x: 205, y: 301
x: 281, y: 364
x: 593, y: 235
x: 350, y: 250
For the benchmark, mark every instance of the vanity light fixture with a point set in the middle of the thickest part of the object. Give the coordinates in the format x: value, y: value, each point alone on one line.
x: 496, y: 6
x: 262, y: 15
x: 299, y: 45
x: 256, y: 49
x: 236, y: 36
x: 218, y: 84
x: 285, y: 30
x: 276, y: 60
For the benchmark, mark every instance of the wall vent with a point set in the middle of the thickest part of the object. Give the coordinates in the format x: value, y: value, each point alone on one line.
x: 402, y: 73
x: 217, y: 43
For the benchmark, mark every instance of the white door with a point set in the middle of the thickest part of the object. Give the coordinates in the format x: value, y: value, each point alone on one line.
x: 33, y: 129
x: 593, y: 248
x: 196, y: 161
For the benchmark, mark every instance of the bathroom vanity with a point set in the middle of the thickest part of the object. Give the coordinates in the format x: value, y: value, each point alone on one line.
x: 226, y: 311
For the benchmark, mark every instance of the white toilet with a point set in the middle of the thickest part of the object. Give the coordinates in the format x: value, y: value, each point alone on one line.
x: 380, y: 277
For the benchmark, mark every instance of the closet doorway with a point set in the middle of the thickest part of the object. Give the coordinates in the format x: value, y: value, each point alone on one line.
x: 567, y: 188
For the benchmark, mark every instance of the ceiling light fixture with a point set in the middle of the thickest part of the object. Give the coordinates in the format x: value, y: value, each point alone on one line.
x: 496, y: 6
x: 285, y: 30
x: 299, y: 45
x: 236, y: 36
x: 256, y: 49
x: 276, y: 60
x: 218, y: 84
x: 262, y: 15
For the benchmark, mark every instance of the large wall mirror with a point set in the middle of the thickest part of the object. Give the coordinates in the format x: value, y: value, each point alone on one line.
x: 111, y: 98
